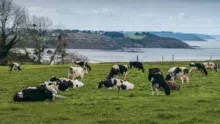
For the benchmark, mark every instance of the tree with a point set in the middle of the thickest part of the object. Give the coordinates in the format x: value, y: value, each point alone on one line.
x: 12, y: 18
x: 37, y: 34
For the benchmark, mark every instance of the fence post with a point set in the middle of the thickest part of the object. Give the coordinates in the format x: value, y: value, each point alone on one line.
x: 162, y: 58
x: 210, y: 58
x: 137, y: 58
x: 173, y: 57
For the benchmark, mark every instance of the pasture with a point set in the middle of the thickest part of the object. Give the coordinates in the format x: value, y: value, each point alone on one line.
x: 198, y: 103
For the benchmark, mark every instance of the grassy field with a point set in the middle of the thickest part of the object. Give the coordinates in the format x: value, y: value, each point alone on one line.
x: 137, y: 37
x: 199, y: 103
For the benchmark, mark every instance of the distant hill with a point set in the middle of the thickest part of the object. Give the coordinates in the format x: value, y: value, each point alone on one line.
x: 205, y: 36
x: 180, y: 36
x: 116, y: 40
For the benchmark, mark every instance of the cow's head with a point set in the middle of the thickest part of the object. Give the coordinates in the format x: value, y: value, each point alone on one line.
x: 71, y: 69
x: 168, y: 77
x: 101, y: 84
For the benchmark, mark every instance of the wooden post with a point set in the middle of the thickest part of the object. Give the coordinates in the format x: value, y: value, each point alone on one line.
x: 173, y: 57
x: 162, y: 58
x: 137, y: 58
x: 210, y: 58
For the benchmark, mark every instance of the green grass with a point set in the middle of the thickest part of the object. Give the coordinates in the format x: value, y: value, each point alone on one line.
x: 199, y: 103
x: 136, y: 37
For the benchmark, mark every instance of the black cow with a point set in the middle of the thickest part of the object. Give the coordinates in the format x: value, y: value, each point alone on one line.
x: 198, y: 66
x: 158, y: 81
x: 118, y: 69
x: 83, y: 64
x: 40, y: 93
x: 137, y: 65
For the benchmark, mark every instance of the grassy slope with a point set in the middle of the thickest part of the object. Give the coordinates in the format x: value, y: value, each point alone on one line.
x: 199, y: 103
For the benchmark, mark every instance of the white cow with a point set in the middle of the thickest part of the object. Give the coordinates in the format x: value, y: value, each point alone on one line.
x: 77, y: 72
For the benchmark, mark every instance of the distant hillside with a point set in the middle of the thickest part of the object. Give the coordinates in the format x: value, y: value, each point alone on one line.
x: 114, y: 40
x: 205, y: 36
x: 179, y: 36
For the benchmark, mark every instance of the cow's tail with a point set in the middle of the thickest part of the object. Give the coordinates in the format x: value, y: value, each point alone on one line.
x: 204, y: 70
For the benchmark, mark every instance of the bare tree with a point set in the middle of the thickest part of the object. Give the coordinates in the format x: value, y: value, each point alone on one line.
x: 12, y: 17
x: 37, y: 34
x: 60, y: 51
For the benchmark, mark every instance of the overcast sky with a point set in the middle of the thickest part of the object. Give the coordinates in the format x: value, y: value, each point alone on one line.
x: 192, y: 16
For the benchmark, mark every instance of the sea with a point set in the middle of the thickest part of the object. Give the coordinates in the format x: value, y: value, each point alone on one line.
x: 204, y: 51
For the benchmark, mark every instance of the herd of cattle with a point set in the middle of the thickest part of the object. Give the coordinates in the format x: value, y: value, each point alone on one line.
x: 49, y: 89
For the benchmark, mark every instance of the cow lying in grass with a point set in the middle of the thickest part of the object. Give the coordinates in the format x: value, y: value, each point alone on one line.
x: 157, y: 81
x: 199, y: 67
x: 83, y: 64
x: 116, y: 84
x: 137, y: 65
x: 64, y: 83
x: 118, y: 69
x: 178, y: 73
x: 210, y: 65
x: 40, y: 93
x: 77, y: 72
x: 15, y: 66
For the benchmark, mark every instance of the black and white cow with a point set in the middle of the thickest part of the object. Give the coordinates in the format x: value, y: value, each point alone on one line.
x: 199, y: 67
x: 83, y: 64
x: 157, y: 81
x: 116, y: 84
x: 118, y: 69
x: 178, y: 73
x: 211, y: 65
x: 39, y: 93
x: 15, y: 66
x: 64, y: 83
x: 137, y: 65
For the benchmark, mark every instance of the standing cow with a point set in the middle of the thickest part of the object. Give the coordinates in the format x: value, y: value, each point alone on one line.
x: 137, y: 65
x: 157, y: 81
x: 118, y: 69
x: 199, y: 67
x: 210, y: 65
x: 83, y: 64
x: 15, y: 66
x: 178, y: 73
x: 75, y: 72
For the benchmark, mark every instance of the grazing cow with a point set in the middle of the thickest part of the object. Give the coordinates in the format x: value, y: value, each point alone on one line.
x: 76, y: 72
x: 178, y: 73
x: 137, y: 65
x: 116, y: 84
x: 118, y: 69
x: 212, y: 66
x: 157, y: 81
x: 198, y: 66
x: 83, y: 64
x: 15, y: 66
x: 40, y: 93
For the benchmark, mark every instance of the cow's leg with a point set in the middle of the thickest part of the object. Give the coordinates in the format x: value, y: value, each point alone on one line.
x: 182, y: 79
x: 11, y: 67
x: 157, y: 91
x: 187, y: 80
x: 152, y: 89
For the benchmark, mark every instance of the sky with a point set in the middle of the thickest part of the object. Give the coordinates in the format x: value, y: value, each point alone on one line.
x: 189, y: 16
